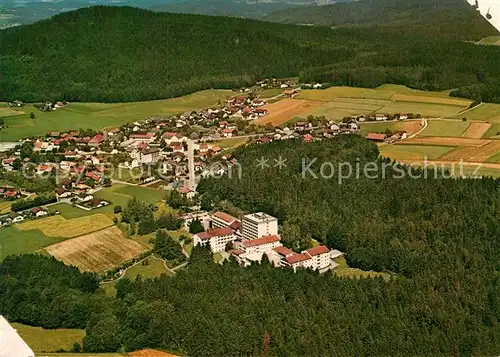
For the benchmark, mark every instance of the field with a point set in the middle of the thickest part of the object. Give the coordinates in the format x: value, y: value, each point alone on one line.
x: 445, y: 128
x: 491, y: 40
x: 424, y: 108
x: 42, y: 340
x: 282, y: 111
x: 67, y: 211
x: 483, y: 112
x: 493, y: 132
x: 14, y: 241
x: 5, y: 207
x: 231, y: 143
x: 444, y: 141
x: 57, y: 226
x: 98, y: 251
x: 476, y: 130
x: 410, y: 126
x: 413, y: 152
x: 474, y: 154
x: 100, y: 115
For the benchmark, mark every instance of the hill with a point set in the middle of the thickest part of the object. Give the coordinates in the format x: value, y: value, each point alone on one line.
x: 447, y: 19
x: 116, y: 54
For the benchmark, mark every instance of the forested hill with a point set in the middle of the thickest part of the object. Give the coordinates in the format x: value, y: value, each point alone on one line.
x: 447, y: 19
x: 116, y: 54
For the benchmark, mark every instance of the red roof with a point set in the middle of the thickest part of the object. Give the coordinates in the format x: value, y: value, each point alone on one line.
x: 376, y: 137
x: 236, y: 225
x: 10, y: 194
x: 142, y: 136
x: 283, y: 251
x: 308, y: 137
x: 260, y: 241
x: 297, y: 258
x: 99, y: 138
x: 225, y: 217
x: 320, y: 249
x: 184, y: 190
x: 217, y: 232
x: 36, y: 210
x: 237, y: 252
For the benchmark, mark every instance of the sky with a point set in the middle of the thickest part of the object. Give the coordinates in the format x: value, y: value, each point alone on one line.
x: 484, y: 5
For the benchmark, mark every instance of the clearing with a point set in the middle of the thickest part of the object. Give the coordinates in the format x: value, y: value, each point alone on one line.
x: 57, y: 226
x: 155, y: 267
x: 14, y: 241
x: 445, y: 128
x: 490, y: 40
x: 476, y: 130
x: 344, y: 271
x: 42, y: 340
x: 101, y: 115
x: 413, y: 152
x: 410, y: 126
x: 282, y: 111
x: 98, y: 251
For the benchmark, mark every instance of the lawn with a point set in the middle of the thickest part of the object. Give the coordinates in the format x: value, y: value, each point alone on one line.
x: 58, y: 226
x: 69, y: 212
x: 269, y: 93
x: 15, y: 241
x: 155, y: 267
x: 101, y: 115
x: 484, y: 111
x: 231, y: 143
x: 445, y: 128
x: 413, y: 152
x: 42, y: 340
x: 127, y: 175
x: 344, y: 271
x: 490, y: 40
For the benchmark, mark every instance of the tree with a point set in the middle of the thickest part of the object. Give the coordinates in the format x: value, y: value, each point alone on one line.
x: 117, y: 209
x: 2, y: 122
x: 167, y: 247
x: 32, y: 115
x: 176, y: 200
x: 195, y: 226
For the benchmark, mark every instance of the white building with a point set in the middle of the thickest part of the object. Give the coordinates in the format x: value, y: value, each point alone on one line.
x: 258, y: 225
x: 11, y: 344
x: 222, y: 219
x: 216, y: 238
x: 262, y: 244
x: 320, y: 257
x: 295, y: 261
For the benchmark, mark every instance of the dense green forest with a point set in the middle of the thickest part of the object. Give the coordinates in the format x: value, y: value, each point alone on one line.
x: 438, y: 238
x: 125, y: 54
x: 446, y: 19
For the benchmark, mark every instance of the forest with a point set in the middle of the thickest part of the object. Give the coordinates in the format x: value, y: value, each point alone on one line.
x: 116, y: 54
x: 436, y: 237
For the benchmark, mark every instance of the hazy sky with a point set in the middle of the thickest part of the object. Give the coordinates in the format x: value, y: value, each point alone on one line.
x: 484, y: 5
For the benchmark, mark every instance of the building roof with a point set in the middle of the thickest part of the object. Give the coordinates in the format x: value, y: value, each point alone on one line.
x: 217, y: 232
x: 297, y: 258
x: 259, y: 217
x: 260, y: 241
x: 12, y: 344
x: 376, y: 136
x: 283, y: 251
x: 225, y: 217
x: 320, y: 249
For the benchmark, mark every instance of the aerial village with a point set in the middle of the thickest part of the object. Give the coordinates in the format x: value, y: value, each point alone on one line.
x: 173, y: 153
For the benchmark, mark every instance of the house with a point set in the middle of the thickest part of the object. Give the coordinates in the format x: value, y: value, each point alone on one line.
x: 148, y: 156
x: 146, y: 138
x: 290, y: 93
x: 403, y: 116
x: 38, y: 212
x: 222, y: 219
x: 96, y: 140
x: 187, y: 192
x: 84, y: 197
x: 307, y: 138
x: 62, y: 193
x: 217, y: 238
x: 320, y: 257
x: 11, y: 344
x: 376, y: 136
x: 380, y: 117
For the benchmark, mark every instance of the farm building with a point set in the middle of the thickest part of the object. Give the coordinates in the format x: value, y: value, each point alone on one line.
x: 376, y: 137
x: 11, y: 344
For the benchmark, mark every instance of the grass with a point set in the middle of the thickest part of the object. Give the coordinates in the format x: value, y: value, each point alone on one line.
x: 484, y: 111
x: 231, y: 143
x: 58, y: 226
x: 100, y: 115
x: 380, y: 127
x: 344, y: 271
x: 493, y: 132
x: 81, y: 355
x: 14, y: 241
x: 423, y: 108
x: 127, y: 175
x: 67, y: 211
x: 494, y: 159
x: 269, y: 93
x: 445, y: 128
x: 5, y: 207
x: 42, y: 340
x: 413, y: 152
x: 490, y: 40
x: 155, y: 268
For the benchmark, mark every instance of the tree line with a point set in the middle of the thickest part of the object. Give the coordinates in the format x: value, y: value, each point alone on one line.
x: 99, y: 57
